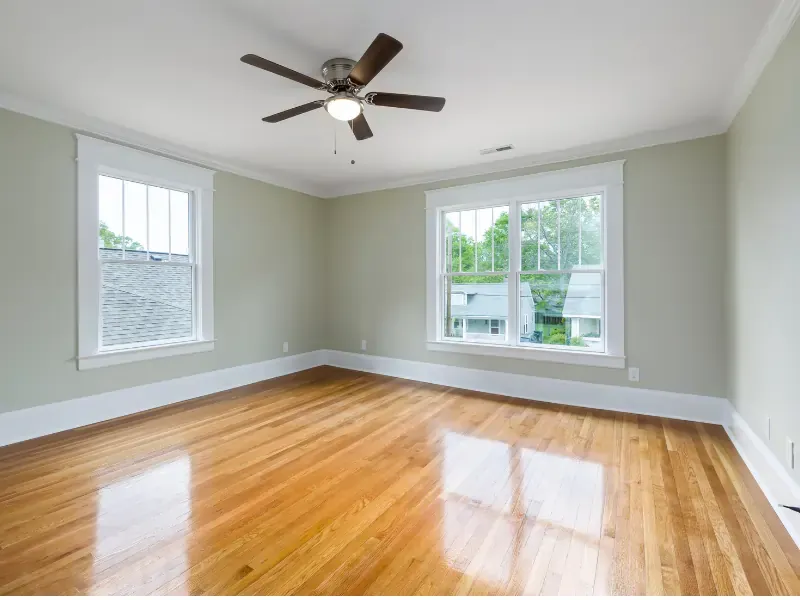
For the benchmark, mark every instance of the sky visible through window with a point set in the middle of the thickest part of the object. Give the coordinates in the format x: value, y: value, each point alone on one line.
x: 168, y: 214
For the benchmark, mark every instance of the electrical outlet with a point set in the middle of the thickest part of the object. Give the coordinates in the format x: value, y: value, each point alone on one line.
x: 769, y: 428
x: 363, y: 344
x: 633, y: 374
x: 790, y: 453
x: 285, y: 346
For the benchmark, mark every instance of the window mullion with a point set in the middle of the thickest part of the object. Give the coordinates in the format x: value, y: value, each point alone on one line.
x: 475, y: 241
x: 580, y: 231
x: 515, y: 260
x: 169, y: 225
x: 558, y: 221
x: 123, y: 220
x: 147, y: 221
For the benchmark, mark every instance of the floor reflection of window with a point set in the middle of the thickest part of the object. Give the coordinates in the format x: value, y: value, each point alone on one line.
x: 501, y: 501
x: 142, y: 521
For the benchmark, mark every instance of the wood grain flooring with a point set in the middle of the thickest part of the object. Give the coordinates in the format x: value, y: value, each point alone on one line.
x: 337, y: 482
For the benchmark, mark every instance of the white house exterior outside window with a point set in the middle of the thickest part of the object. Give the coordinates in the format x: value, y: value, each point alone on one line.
x: 529, y: 267
x: 145, y: 255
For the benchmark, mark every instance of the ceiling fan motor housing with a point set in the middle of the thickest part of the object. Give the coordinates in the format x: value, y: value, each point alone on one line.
x: 335, y: 72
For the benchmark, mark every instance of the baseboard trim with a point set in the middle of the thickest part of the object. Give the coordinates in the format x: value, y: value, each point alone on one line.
x: 771, y: 476
x: 689, y: 407
x: 29, y: 423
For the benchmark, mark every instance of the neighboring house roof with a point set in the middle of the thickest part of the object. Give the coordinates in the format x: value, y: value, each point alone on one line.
x: 488, y: 300
x: 583, y: 296
x: 143, y: 302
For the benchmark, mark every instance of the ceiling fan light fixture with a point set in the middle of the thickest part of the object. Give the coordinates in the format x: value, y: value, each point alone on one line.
x: 343, y: 107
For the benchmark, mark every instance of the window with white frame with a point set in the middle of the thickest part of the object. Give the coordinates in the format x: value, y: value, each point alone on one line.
x: 145, y: 255
x: 538, y: 263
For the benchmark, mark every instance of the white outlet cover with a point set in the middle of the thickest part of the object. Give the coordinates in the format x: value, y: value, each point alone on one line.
x: 285, y: 346
x: 363, y: 344
x: 633, y: 374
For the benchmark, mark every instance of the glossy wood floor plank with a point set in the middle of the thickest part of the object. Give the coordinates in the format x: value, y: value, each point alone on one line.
x: 337, y: 482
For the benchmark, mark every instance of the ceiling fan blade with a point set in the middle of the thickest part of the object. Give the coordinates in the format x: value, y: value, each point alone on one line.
x: 379, y: 54
x: 293, y: 112
x: 268, y: 65
x: 361, y: 128
x: 430, y: 103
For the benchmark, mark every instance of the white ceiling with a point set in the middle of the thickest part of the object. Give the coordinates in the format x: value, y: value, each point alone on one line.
x: 544, y: 75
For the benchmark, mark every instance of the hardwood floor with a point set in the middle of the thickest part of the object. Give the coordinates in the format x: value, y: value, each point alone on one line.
x: 337, y: 482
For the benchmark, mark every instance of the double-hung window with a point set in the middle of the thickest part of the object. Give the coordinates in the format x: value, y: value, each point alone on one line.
x: 529, y: 267
x: 145, y: 263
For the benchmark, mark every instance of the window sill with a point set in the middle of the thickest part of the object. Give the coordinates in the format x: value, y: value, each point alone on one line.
x: 547, y: 355
x: 118, y: 357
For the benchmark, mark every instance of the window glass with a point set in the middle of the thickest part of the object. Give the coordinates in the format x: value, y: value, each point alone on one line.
x: 179, y: 225
x: 158, y: 222
x: 144, y: 303
x: 476, y: 241
x: 484, y: 313
x: 110, y: 201
x: 548, y: 235
x: 134, y: 207
x: 149, y: 301
x: 566, y: 310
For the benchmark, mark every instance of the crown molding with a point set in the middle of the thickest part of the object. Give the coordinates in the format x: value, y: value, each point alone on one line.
x: 698, y: 130
x: 769, y: 40
x: 83, y: 123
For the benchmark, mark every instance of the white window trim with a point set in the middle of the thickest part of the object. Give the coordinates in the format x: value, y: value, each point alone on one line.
x: 606, y: 178
x: 98, y: 157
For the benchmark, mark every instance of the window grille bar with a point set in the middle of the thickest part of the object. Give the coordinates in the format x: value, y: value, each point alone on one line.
x: 123, y: 218
x: 147, y: 220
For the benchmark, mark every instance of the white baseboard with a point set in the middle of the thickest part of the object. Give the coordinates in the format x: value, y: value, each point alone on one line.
x: 29, y: 423
x: 771, y: 476
x: 689, y: 407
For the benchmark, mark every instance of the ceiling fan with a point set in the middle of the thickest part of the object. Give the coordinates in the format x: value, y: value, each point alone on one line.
x: 345, y: 79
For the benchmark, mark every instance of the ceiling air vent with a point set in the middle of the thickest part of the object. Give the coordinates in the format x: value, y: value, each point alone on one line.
x: 503, y: 148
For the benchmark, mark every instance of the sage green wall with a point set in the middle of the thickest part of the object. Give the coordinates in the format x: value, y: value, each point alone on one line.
x: 764, y: 191
x: 329, y: 273
x: 267, y: 268
x: 675, y: 240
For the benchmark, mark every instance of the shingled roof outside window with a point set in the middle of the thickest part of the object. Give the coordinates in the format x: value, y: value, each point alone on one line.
x: 143, y: 302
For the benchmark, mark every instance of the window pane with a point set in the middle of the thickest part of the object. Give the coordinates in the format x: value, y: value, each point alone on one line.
x: 110, y: 199
x: 500, y: 215
x: 158, y: 221
x: 476, y: 240
x: 452, y: 240
x: 564, y: 310
x: 179, y: 228
x: 468, y: 241
x: 485, y: 239
x: 144, y: 303
x: 570, y: 221
x: 529, y: 236
x: 135, y: 207
x: 475, y: 308
x: 591, y: 238
x: 548, y: 235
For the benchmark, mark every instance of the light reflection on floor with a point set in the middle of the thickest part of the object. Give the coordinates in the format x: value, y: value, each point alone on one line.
x: 520, y: 502
x: 150, y: 510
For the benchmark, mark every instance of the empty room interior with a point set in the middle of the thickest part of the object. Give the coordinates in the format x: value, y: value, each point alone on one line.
x: 399, y: 298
